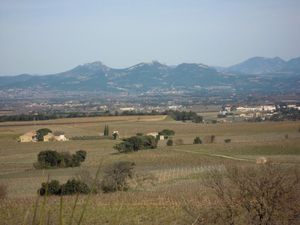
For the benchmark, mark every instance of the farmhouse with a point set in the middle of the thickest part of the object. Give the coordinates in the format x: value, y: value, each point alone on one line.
x: 28, y: 137
x: 49, y: 137
x: 153, y: 134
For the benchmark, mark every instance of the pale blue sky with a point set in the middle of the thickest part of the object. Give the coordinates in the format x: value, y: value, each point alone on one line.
x: 43, y: 37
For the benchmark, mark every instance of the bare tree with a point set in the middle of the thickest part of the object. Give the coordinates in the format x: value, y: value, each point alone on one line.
x: 252, y: 195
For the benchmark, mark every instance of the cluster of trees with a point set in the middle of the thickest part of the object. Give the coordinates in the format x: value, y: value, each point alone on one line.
x: 72, y: 186
x: 136, y: 143
x: 184, y: 116
x: 53, y: 159
x: 115, y: 178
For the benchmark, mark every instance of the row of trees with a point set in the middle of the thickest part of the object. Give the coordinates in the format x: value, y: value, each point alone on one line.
x: 53, y: 159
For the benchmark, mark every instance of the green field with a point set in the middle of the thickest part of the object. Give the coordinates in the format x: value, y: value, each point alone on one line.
x: 173, y: 172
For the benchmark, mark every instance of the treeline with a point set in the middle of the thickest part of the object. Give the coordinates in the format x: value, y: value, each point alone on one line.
x: 49, y: 116
x: 176, y: 115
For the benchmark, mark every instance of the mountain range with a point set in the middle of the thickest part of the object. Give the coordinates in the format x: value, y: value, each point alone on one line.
x: 254, y: 74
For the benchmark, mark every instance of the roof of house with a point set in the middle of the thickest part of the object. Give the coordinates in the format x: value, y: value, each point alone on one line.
x: 29, y: 134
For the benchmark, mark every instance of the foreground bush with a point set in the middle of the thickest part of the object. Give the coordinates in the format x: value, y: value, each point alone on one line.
x: 136, y: 143
x: 116, y: 177
x: 53, y: 159
x: 262, y: 194
x: 71, y: 187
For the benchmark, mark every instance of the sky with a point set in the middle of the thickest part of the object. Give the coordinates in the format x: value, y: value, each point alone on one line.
x: 44, y: 37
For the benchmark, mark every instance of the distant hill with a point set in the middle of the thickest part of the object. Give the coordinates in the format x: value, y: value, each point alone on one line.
x: 262, y: 65
x: 155, y: 77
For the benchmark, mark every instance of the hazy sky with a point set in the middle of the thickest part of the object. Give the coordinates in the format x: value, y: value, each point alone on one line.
x: 51, y: 36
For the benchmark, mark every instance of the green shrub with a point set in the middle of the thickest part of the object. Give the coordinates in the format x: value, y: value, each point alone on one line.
x: 170, y: 142
x: 116, y: 177
x: 197, y: 140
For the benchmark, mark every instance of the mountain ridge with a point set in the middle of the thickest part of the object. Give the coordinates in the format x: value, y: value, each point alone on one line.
x: 150, y: 77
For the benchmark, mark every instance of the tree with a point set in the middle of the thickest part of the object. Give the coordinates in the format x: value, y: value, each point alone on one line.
x: 106, y: 130
x: 49, y: 158
x: 197, y: 140
x: 116, y: 177
x: 136, y: 143
x: 167, y: 133
x: 41, y: 133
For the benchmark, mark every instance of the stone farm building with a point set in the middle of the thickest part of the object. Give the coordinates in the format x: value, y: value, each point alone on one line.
x: 28, y: 137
